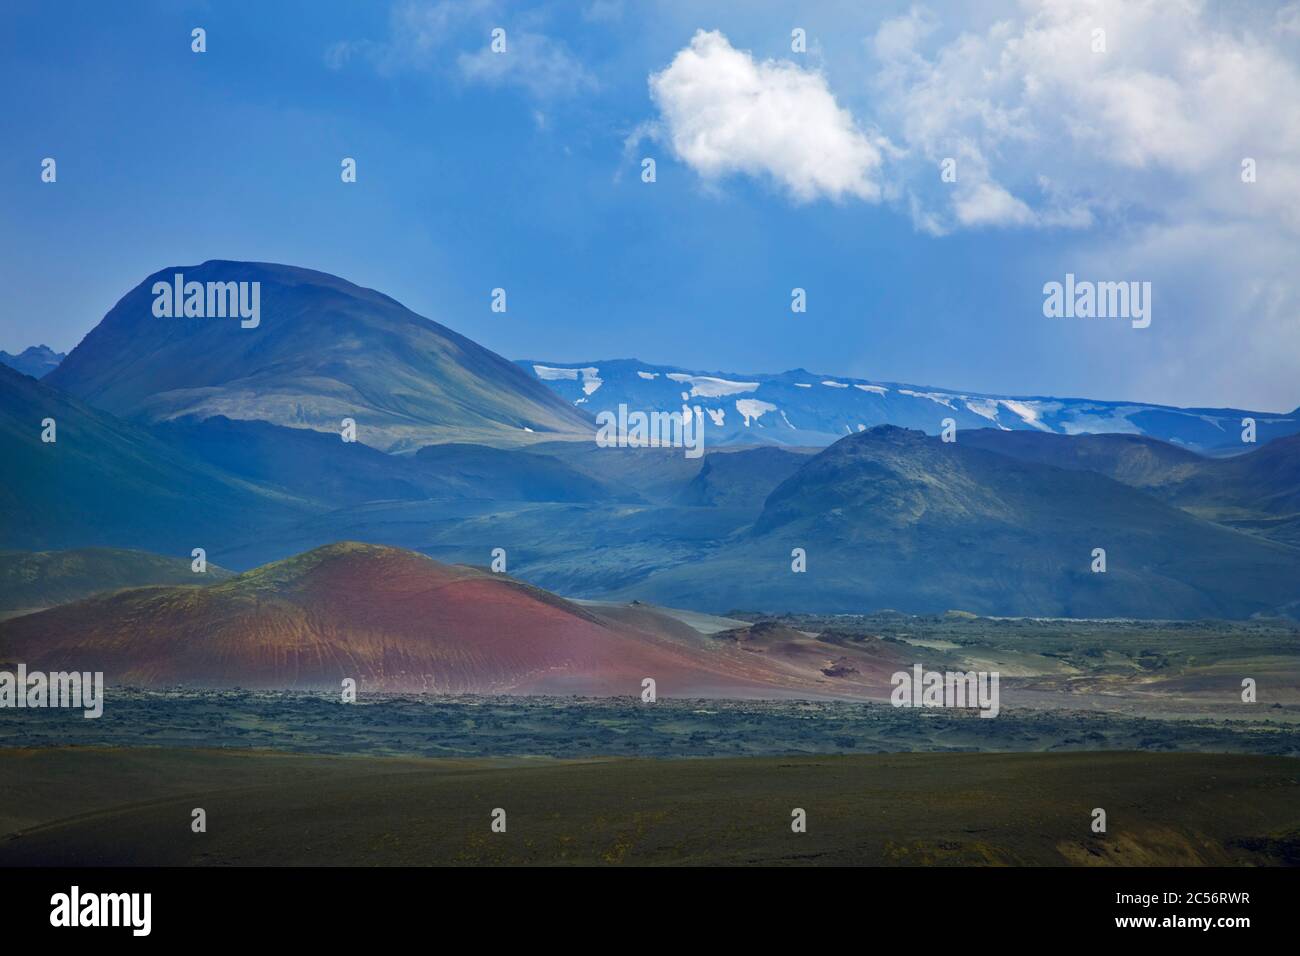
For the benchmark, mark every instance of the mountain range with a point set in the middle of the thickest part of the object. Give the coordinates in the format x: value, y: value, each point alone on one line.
x: 175, y: 434
x: 894, y: 518
x: 325, y: 349
x: 802, y: 408
x: 35, y: 360
x: 888, y: 518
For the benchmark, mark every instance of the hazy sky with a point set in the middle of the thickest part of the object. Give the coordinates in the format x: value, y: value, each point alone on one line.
x: 775, y: 169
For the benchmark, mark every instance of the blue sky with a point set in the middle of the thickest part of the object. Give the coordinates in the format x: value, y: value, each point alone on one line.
x: 775, y: 169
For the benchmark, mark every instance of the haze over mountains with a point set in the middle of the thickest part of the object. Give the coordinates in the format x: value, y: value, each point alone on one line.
x: 181, y: 433
x: 802, y: 408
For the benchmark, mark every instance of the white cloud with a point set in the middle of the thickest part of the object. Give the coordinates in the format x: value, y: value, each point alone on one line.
x: 723, y: 112
x: 1048, y: 132
x: 988, y: 204
x: 1136, y: 152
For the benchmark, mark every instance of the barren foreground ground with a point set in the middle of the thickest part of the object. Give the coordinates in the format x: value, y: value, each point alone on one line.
x: 73, y: 806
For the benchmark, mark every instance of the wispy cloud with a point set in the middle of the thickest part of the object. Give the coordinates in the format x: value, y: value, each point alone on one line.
x: 453, y: 36
x: 533, y: 62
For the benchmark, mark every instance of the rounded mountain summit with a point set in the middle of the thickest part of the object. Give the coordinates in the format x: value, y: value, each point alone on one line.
x: 318, y: 350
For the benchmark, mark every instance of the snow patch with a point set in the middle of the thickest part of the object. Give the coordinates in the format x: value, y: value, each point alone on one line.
x: 648, y: 376
x: 1107, y: 420
x: 1028, y: 412
x: 591, y: 379
x: 548, y: 374
x: 938, y: 397
x: 719, y: 415
x: 830, y: 384
x: 705, y: 386
x: 753, y: 409
x: 878, y: 389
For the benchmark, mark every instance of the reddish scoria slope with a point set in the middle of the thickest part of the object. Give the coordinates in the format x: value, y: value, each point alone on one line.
x: 392, y: 619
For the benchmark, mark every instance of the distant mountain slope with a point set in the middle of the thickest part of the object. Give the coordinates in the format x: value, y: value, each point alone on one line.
x: 656, y: 474
x: 315, y: 466
x: 32, y: 580
x: 892, y: 518
x: 515, y: 475
x: 219, y: 483
x: 1265, y: 480
x: 324, y: 350
x: 1258, y: 491
x: 111, y: 483
x: 322, y: 468
x: 887, y: 518
x: 741, y: 479
x: 35, y: 360
x: 802, y: 408
x: 397, y: 621
x: 1135, y: 460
